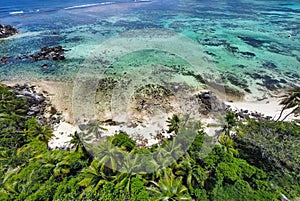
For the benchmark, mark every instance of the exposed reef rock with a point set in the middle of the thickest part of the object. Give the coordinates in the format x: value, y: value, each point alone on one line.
x: 7, y: 30
x: 231, y: 93
x: 236, y: 80
x: 49, y: 53
x: 46, y: 53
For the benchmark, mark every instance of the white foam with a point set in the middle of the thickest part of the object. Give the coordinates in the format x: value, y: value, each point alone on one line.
x: 106, y: 3
x: 82, y: 6
x: 88, y: 5
x: 16, y: 12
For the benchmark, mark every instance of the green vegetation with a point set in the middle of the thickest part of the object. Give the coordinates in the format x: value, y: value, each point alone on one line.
x: 95, y: 128
x: 174, y: 124
x: 123, y: 140
x: 253, y: 161
x: 291, y: 100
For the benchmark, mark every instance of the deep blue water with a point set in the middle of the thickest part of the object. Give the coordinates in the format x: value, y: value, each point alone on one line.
x: 18, y: 7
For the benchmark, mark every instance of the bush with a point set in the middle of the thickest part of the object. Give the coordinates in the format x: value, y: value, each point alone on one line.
x: 123, y: 140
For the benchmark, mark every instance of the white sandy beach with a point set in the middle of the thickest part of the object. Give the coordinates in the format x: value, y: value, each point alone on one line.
x: 62, y: 136
x: 268, y: 107
x: 60, y: 96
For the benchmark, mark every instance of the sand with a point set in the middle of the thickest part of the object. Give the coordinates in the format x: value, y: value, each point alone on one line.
x: 62, y: 136
x: 60, y: 95
x: 268, y: 107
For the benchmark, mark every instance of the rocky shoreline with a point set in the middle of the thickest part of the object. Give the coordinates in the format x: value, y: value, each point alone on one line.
x: 139, y: 128
x: 39, y: 106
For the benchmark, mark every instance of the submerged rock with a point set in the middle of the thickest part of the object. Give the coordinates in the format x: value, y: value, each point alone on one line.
x: 269, y: 65
x: 257, y: 43
x: 247, y: 54
x: 4, y: 59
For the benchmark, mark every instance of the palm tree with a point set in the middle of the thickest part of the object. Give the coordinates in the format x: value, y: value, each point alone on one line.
x: 228, y: 144
x: 290, y: 100
x: 78, y: 145
x: 169, y: 188
x: 160, y: 164
x: 94, y: 178
x: 108, y: 154
x: 63, y: 167
x: 166, y: 155
x: 230, y: 123
x: 95, y: 127
x: 10, y: 187
x: 11, y: 117
x: 14, y: 186
x: 226, y: 135
x: 174, y: 124
x: 130, y: 168
x: 34, y: 129
x: 189, y: 169
x: 172, y: 150
x: 76, y: 142
x: 45, y: 134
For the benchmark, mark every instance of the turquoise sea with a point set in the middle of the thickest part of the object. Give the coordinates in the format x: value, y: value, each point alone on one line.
x: 253, y: 45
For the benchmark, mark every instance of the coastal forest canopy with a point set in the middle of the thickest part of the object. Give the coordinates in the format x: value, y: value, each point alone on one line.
x: 254, y: 160
x: 133, y: 100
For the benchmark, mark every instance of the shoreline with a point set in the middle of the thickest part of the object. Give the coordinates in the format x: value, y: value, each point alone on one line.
x: 60, y: 94
x: 268, y: 107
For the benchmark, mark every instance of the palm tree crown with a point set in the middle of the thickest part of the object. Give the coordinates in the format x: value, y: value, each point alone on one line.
x: 94, y: 127
x: 174, y: 123
x: 290, y: 100
x: 169, y: 188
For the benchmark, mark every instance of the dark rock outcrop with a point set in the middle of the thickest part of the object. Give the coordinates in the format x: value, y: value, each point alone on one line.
x: 246, y: 115
x: 38, y: 105
x: 46, y: 53
x: 7, y: 30
x: 49, y: 53
x: 210, y: 103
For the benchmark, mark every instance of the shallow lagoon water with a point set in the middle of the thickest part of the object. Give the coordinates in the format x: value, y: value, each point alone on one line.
x: 253, y: 45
